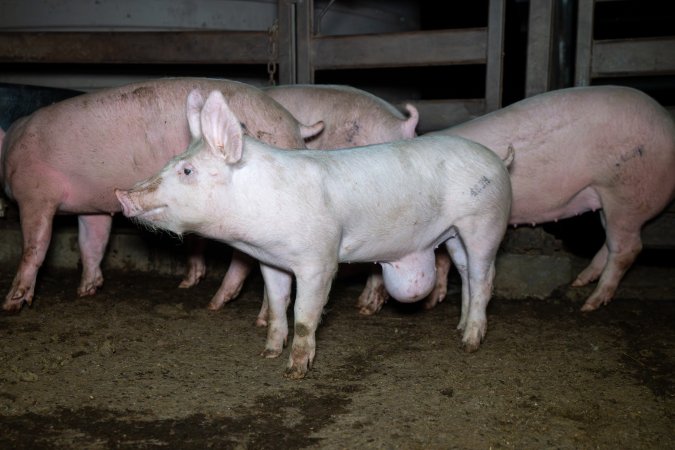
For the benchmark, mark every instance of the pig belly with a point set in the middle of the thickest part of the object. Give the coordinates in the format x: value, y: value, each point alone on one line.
x: 550, y: 205
x: 410, y: 278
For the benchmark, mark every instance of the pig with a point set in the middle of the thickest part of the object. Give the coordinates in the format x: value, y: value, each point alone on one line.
x: 606, y: 148
x: 67, y: 158
x: 301, y: 213
x: 351, y: 118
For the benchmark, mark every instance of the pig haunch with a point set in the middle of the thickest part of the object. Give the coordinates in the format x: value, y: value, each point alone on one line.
x: 68, y: 157
x: 580, y: 149
x: 301, y: 213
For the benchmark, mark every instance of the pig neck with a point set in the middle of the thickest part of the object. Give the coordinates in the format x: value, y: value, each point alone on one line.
x: 257, y: 200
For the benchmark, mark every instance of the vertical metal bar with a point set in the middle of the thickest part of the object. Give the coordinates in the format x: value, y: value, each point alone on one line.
x: 584, y: 43
x: 304, y: 41
x: 287, y: 51
x: 495, y: 53
x: 540, y: 34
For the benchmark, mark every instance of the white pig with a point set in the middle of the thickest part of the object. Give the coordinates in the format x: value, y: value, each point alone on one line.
x: 351, y: 117
x: 301, y: 213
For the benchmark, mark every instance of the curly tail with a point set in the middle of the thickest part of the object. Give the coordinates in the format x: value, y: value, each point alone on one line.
x: 411, y: 122
x: 510, y: 155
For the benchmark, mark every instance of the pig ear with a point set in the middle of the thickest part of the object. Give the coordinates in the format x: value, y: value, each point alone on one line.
x: 195, y: 101
x: 221, y: 128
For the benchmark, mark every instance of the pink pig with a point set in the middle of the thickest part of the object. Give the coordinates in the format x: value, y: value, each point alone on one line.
x: 67, y: 158
x: 581, y: 149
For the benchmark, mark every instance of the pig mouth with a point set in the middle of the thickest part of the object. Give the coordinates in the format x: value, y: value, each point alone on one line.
x: 149, y: 214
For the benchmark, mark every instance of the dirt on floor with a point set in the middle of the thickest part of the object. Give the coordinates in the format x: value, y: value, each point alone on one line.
x: 145, y: 365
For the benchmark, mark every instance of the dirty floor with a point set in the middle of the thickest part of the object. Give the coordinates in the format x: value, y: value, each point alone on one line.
x: 144, y: 365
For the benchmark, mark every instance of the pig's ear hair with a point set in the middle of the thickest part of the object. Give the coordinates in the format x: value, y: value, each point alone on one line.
x: 195, y: 101
x: 221, y: 128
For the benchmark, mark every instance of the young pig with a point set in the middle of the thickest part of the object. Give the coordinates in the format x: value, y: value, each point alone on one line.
x: 301, y: 213
x: 351, y: 118
x: 67, y: 157
x: 582, y: 149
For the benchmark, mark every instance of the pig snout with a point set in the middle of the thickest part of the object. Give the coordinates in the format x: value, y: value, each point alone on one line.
x: 130, y: 208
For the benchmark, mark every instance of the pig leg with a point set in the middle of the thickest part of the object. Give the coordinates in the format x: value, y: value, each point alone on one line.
x: 458, y: 255
x: 313, y: 287
x: 36, y: 227
x: 196, y: 267
x: 443, y: 264
x: 594, y: 269
x: 477, y: 255
x: 93, y: 233
x: 278, y: 290
x: 374, y: 295
x: 240, y: 266
x: 598, y: 263
x: 623, y: 244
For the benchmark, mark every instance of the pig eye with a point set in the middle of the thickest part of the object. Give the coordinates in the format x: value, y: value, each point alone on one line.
x: 187, y: 169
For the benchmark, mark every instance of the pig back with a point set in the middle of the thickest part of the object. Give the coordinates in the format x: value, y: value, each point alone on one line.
x: 572, y: 144
x: 112, y: 138
x: 352, y: 117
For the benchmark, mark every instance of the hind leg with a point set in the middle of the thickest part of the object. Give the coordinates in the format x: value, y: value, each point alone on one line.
x: 443, y: 265
x: 480, y: 239
x: 374, y: 295
x: 240, y: 266
x: 622, y: 244
x: 594, y: 269
x: 458, y: 255
x: 195, y: 266
x: 93, y: 233
x: 598, y: 263
x: 36, y: 227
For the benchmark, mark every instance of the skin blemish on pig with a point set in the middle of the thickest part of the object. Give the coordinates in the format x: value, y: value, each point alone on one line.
x: 143, y: 91
x: 352, y: 131
x: 263, y: 136
x: 637, y: 152
x: 301, y: 329
x: 480, y: 186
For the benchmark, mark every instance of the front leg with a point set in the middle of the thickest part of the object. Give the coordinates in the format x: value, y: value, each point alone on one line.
x: 278, y: 291
x: 313, y: 286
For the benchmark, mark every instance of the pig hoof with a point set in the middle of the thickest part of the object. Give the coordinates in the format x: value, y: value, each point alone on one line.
x: 472, y: 338
x: 588, y: 307
x: 470, y: 347
x: 12, y: 308
x: 87, y: 291
x: 368, y: 311
x: 270, y: 353
x: 371, y: 301
x: 215, y: 305
x: 295, y: 373
x: 185, y: 284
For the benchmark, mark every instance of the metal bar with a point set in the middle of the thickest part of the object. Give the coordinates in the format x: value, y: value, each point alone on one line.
x: 191, y: 47
x: 438, y: 47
